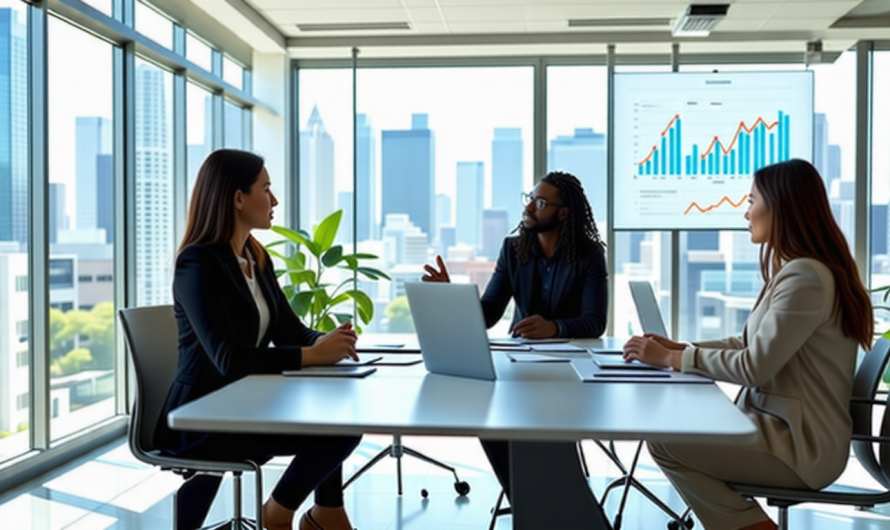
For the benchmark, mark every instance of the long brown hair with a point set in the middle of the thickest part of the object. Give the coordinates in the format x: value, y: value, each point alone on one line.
x: 802, y: 226
x: 211, y: 218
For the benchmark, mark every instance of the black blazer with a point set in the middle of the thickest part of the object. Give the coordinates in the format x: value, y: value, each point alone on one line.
x: 580, y: 290
x: 218, y: 324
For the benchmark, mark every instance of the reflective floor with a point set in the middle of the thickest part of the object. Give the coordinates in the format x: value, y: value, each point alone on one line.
x: 109, y: 489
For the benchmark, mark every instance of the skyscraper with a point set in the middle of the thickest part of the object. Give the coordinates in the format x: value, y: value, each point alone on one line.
x: 316, y: 171
x: 105, y: 196
x: 154, y: 188
x: 820, y: 144
x: 494, y: 228
x: 584, y: 155
x: 93, y: 138
x: 506, y: 172
x: 470, y: 196
x: 443, y: 212
x: 13, y: 127
x: 366, y: 181
x: 344, y: 202
x: 408, y: 172
x: 58, y: 216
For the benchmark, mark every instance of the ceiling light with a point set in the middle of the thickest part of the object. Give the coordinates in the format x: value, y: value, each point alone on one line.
x: 699, y: 20
x: 354, y: 26
x: 617, y: 22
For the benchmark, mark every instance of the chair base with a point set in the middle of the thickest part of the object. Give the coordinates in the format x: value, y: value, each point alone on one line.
x: 234, y: 524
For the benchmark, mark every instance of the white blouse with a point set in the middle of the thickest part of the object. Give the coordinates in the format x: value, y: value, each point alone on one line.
x: 257, y: 293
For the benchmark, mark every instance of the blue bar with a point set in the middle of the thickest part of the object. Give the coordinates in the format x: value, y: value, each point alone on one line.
x: 711, y: 158
x: 725, y: 165
x: 756, y: 148
x: 717, y: 156
x: 732, y: 169
x: 703, y: 170
x: 664, y: 155
x: 781, y: 137
x: 648, y: 167
x: 786, y: 132
x: 694, y: 159
x: 688, y: 164
x: 655, y: 165
x: 746, y: 153
x: 772, y: 148
x: 671, y: 149
x: 678, y: 147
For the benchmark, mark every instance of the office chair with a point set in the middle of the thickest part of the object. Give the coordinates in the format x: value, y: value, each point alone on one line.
x: 871, y: 449
x: 151, y: 335
x: 397, y: 450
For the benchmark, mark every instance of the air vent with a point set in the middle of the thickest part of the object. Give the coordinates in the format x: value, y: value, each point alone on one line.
x: 699, y: 20
x: 618, y: 22
x: 354, y: 26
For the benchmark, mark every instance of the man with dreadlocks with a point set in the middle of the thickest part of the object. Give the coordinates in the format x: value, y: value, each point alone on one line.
x: 554, y: 270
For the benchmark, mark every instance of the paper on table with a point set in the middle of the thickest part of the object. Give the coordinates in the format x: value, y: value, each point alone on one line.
x: 535, y: 358
x: 558, y: 348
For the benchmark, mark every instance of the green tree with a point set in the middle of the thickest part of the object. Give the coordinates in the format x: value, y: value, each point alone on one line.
x: 99, y: 328
x: 399, y: 316
x: 72, y: 362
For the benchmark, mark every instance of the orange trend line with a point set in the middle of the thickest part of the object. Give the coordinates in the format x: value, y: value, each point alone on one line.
x: 663, y: 132
x: 713, y: 206
x: 742, y: 126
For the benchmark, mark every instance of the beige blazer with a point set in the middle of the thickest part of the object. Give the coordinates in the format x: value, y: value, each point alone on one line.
x: 797, y: 369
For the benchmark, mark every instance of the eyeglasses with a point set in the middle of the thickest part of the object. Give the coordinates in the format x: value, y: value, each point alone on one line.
x: 540, y: 202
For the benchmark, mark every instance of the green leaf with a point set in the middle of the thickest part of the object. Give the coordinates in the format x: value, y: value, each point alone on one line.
x: 326, y: 324
x: 301, y: 302
x: 364, y: 304
x: 297, y: 237
x: 289, y: 291
x: 321, y: 301
x: 302, y: 276
x: 326, y: 231
x: 332, y: 256
x: 339, y: 299
x: 343, y: 318
x: 351, y: 262
x: 360, y: 255
x: 274, y: 253
x: 279, y: 272
x: 372, y: 273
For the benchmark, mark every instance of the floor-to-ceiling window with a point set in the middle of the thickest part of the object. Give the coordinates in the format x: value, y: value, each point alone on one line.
x: 81, y: 261
x: 880, y: 200
x: 15, y: 351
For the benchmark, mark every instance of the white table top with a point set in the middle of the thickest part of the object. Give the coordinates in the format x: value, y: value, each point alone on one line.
x: 540, y: 401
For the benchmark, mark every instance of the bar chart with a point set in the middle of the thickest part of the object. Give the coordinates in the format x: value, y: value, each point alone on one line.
x: 751, y: 147
x: 686, y: 145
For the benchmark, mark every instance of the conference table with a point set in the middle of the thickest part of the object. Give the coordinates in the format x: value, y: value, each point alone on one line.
x: 543, y: 409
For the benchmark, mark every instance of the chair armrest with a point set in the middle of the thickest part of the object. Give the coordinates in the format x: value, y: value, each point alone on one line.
x: 873, y: 439
x: 867, y: 401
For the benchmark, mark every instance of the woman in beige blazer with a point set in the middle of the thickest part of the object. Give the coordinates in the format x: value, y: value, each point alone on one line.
x: 795, y: 357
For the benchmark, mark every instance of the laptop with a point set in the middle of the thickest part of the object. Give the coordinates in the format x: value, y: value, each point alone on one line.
x: 647, y: 308
x: 450, y: 329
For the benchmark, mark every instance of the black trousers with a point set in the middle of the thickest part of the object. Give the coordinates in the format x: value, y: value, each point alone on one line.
x: 316, y: 466
x: 498, y: 453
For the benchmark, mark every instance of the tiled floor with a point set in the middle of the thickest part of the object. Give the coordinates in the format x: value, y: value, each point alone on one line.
x: 110, y: 490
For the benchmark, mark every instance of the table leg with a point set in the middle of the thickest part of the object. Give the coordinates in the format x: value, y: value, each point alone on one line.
x: 550, y: 491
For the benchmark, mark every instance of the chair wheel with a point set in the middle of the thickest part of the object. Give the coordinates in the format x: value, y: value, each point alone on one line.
x: 424, y: 493
x: 462, y: 488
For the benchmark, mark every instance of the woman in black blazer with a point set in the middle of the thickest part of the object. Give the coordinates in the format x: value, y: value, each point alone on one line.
x: 229, y: 308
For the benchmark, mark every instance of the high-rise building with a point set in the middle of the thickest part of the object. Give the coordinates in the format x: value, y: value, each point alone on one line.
x: 316, y: 171
x: 495, y: 225
x: 408, y: 172
x: 506, y: 173
x: 14, y: 352
x: 154, y: 188
x: 344, y: 202
x: 13, y: 127
x: 93, y: 138
x: 879, y: 229
x: 365, y: 180
x: 410, y: 243
x: 820, y: 145
x: 105, y: 196
x: 470, y: 199
x: 443, y: 212
x: 584, y: 155
x: 58, y: 211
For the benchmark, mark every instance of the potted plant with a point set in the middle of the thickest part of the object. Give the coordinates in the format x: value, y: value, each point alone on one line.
x: 307, y: 260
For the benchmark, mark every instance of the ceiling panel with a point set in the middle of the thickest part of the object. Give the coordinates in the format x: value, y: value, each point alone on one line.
x: 326, y: 4
x: 815, y: 9
x: 338, y: 16
x: 797, y: 24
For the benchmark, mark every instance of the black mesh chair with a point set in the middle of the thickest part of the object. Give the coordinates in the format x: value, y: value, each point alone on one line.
x: 870, y: 446
x: 151, y: 334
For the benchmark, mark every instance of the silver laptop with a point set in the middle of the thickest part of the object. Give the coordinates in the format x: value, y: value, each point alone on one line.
x: 450, y: 329
x: 647, y: 308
